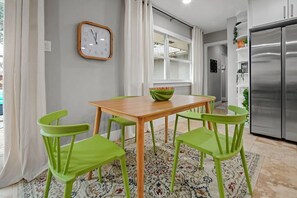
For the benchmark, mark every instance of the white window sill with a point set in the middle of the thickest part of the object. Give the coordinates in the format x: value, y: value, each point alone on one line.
x: 172, y: 83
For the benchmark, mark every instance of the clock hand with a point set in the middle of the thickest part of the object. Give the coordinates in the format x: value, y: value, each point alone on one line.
x: 95, y: 37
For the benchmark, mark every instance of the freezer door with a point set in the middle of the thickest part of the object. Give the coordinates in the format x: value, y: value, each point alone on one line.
x: 266, y: 82
x: 290, y: 132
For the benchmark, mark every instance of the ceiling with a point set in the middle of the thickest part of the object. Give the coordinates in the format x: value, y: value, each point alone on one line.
x: 209, y: 15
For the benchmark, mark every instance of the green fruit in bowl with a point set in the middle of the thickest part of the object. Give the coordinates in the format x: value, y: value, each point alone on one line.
x: 161, y: 93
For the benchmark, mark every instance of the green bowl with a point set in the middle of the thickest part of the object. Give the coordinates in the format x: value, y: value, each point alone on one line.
x: 161, y: 95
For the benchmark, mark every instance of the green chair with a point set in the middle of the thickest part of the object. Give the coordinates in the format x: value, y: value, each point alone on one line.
x: 78, y: 158
x: 220, y: 146
x: 124, y: 122
x: 193, y: 114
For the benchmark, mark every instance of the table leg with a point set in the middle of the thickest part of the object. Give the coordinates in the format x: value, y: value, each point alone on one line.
x: 97, y: 121
x: 96, y: 130
x: 207, y: 110
x: 140, y: 158
x: 166, y: 129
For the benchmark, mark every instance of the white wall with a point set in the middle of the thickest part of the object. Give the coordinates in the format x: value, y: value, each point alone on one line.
x: 164, y: 21
x: 232, y: 62
x: 215, y: 36
x: 72, y: 81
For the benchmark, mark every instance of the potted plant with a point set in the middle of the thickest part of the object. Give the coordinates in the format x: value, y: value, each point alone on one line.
x: 245, y: 102
x: 235, y: 33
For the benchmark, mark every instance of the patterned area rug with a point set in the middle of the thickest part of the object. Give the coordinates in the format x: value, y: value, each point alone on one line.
x: 189, y: 182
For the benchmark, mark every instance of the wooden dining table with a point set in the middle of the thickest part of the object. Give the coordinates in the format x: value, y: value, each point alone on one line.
x: 143, y: 109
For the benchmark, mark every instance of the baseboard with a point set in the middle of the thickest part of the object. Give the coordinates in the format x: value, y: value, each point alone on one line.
x: 114, y: 135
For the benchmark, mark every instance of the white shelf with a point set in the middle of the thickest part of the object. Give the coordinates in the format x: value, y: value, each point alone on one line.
x: 242, y: 86
x: 242, y: 61
x: 242, y: 49
x: 240, y: 37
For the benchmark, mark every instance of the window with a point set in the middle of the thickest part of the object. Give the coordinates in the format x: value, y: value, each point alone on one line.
x: 172, y: 58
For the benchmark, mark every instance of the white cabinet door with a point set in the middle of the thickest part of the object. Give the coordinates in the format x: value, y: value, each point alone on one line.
x: 292, y: 8
x: 267, y: 11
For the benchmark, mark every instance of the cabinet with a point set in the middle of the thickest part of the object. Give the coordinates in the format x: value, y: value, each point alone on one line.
x: 268, y: 11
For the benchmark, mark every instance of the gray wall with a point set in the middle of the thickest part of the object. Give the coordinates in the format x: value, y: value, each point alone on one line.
x: 72, y: 81
x: 164, y: 21
x: 215, y: 36
x: 214, y: 79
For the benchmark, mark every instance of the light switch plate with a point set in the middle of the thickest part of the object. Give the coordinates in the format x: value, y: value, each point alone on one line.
x: 47, y: 46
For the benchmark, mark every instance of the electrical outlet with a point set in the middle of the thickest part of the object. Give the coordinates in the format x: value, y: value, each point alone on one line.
x: 47, y: 46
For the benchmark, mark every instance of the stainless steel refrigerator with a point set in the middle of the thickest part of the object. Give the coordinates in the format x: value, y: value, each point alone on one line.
x: 273, y: 80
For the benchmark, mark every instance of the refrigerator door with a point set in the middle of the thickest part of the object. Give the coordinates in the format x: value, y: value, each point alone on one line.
x: 265, y: 84
x: 290, y: 130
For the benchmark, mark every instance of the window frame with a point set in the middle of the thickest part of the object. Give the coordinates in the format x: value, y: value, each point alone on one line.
x: 167, y: 59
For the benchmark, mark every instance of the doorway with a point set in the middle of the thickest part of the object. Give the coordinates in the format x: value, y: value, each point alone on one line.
x: 215, y: 71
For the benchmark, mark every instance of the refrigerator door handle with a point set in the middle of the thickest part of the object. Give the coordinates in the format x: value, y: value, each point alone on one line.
x: 292, y: 10
x: 283, y: 74
x: 284, y: 12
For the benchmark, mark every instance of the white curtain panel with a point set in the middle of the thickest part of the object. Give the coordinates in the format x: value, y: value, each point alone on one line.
x: 24, y: 90
x: 197, y: 61
x: 138, y: 49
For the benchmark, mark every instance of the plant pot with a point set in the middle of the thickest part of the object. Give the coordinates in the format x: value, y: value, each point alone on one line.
x: 240, y: 44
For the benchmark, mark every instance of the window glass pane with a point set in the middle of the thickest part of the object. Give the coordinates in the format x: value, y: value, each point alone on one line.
x: 159, y: 69
x: 178, y: 49
x: 179, y: 70
x: 159, y: 40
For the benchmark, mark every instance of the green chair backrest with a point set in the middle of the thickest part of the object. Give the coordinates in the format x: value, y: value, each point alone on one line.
x: 238, y: 120
x: 202, y: 108
x: 52, y: 132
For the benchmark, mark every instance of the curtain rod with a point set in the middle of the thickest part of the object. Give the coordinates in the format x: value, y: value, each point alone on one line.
x: 171, y: 16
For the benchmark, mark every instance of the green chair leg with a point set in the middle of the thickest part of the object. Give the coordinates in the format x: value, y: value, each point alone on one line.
x: 153, y: 136
x: 99, y: 174
x: 201, y: 160
x: 246, y: 172
x: 48, y: 183
x: 204, y: 124
x: 109, y: 129
x: 189, y: 127
x: 125, y: 176
x: 123, y: 137
x: 68, y: 189
x: 219, y: 177
x: 174, y: 165
x: 175, y: 128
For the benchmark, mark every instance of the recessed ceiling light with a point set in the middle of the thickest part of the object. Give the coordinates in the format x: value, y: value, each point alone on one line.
x: 187, y: 1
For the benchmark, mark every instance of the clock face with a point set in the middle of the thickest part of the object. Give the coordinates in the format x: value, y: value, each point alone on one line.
x: 95, y: 41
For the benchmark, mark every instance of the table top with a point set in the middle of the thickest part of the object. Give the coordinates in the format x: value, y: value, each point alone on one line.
x: 144, y: 106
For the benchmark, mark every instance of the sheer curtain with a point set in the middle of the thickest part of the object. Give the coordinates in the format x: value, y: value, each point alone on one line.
x: 138, y: 47
x: 197, y: 60
x: 24, y: 90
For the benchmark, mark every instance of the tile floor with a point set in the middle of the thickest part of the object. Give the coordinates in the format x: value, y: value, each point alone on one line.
x: 278, y: 174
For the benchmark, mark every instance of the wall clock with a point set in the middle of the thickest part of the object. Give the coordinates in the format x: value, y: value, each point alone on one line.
x: 94, y: 41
